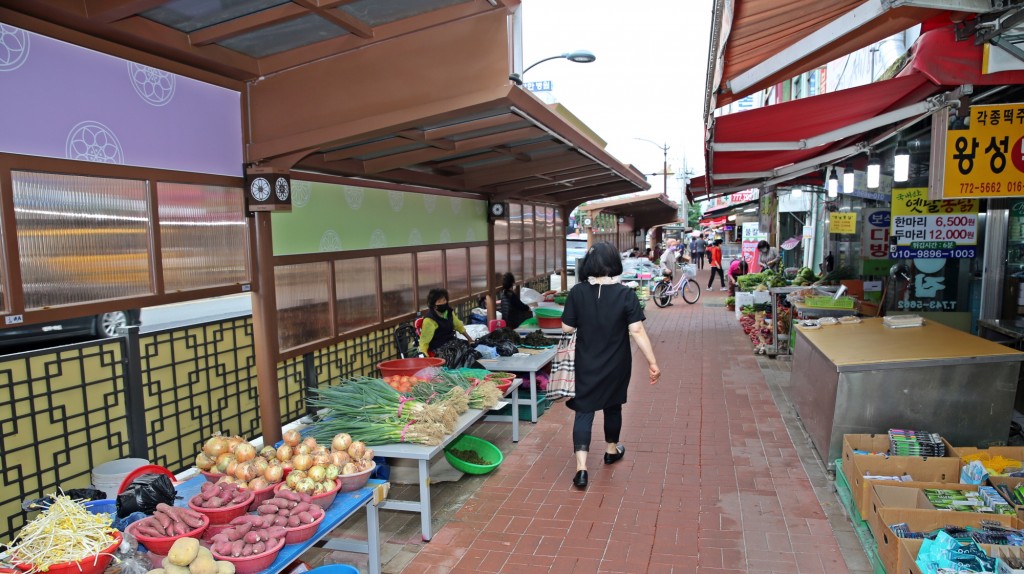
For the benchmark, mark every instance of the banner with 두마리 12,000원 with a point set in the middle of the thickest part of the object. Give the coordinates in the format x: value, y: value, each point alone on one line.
x: 987, y: 159
x: 932, y: 229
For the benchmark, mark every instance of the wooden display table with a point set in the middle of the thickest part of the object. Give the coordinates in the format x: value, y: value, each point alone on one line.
x: 867, y: 378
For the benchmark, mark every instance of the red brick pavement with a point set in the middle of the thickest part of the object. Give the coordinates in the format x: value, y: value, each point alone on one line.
x: 711, y: 481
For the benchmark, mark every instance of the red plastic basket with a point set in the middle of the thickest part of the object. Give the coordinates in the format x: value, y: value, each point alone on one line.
x: 262, y: 495
x: 162, y: 545
x: 303, y: 533
x: 407, y: 367
x: 94, y: 564
x: 145, y: 469
x: 549, y: 322
x: 225, y: 514
x: 212, y: 476
x: 253, y: 564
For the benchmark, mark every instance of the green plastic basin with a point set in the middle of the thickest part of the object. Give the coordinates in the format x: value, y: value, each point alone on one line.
x: 547, y: 313
x: 484, y: 449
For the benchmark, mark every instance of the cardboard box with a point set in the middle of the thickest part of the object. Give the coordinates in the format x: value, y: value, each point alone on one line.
x: 1014, y: 452
x: 922, y: 521
x: 892, y: 496
x: 926, y: 470
x: 909, y: 548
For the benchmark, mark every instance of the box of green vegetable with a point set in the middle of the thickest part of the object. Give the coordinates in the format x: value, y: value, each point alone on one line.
x: 473, y: 455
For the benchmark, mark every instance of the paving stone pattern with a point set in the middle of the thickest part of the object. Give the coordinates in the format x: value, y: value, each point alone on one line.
x: 711, y: 481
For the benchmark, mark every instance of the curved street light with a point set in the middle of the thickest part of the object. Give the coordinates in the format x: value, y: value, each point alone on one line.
x: 578, y: 56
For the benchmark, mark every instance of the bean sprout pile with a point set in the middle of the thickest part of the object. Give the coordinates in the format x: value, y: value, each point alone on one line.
x: 66, y: 532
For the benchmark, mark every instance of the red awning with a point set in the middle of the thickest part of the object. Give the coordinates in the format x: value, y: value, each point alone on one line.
x: 938, y: 56
x: 805, y: 118
x: 714, y: 221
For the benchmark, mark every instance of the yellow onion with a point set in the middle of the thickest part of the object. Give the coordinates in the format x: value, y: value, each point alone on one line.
x: 258, y: 483
x: 285, y: 452
x: 268, y: 452
x: 274, y: 462
x: 245, y: 472
x: 320, y: 449
x: 332, y: 472
x: 216, y: 446
x: 341, y: 442
x: 340, y: 458
x: 227, y: 480
x: 231, y: 467
x: 305, y: 486
x: 261, y: 465
x: 323, y: 459
x: 302, y: 461
x: 234, y: 441
x: 319, y: 488
x: 311, y: 443
x: 204, y: 462
x: 350, y: 468
x: 274, y: 474
x: 292, y: 438
x: 357, y: 449
x: 287, y: 465
x: 245, y: 452
x: 303, y: 449
x: 317, y: 473
x: 293, y: 478
x: 368, y: 454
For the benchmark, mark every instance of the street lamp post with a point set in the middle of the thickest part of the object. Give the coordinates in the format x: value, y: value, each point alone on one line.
x: 578, y: 56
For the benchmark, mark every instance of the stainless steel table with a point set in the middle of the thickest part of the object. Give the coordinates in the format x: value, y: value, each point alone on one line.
x: 423, y: 454
x: 532, y: 363
x: 344, y: 506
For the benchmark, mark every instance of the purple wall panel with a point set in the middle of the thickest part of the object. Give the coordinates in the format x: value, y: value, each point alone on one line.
x: 62, y: 100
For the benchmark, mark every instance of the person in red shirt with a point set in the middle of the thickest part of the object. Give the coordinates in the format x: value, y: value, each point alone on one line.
x: 715, y: 254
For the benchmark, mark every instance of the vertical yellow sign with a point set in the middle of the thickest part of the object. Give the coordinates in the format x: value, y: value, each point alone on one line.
x: 987, y: 160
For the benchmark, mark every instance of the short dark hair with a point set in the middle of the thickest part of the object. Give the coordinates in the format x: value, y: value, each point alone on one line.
x: 763, y: 244
x: 602, y: 260
x: 436, y: 295
x: 508, y: 281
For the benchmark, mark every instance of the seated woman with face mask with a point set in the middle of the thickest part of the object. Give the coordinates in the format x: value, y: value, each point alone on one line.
x: 440, y: 324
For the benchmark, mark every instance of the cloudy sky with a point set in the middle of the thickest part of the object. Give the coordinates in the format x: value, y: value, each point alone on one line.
x: 647, y: 82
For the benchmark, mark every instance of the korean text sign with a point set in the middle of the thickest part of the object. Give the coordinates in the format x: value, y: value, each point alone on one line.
x: 925, y: 229
x: 843, y: 222
x: 874, y: 237
x: 987, y: 160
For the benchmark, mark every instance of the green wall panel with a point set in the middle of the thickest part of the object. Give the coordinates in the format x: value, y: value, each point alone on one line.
x: 331, y: 217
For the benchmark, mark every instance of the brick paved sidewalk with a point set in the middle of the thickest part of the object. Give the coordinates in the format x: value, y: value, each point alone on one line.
x: 711, y: 481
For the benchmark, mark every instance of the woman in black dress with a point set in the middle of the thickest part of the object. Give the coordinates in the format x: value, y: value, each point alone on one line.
x: 604, y: 314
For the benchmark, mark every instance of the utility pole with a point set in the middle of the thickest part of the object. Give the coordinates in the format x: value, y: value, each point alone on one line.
x: 664, y: 169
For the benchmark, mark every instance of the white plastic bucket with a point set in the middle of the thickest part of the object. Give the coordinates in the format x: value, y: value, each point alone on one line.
x: 108, y: 476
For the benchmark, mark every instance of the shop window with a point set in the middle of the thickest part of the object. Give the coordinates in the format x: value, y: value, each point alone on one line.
x: 529, y: 269
x: 81, y: 239
x: 397, y: 285
x: 478, y: 269
x: 515, y: 259
x: 457, y: 268
x: 355, y: 283
x: 430, y: 274
x: 203, y: 236
x: 528, y: 222
x: 303, y: 296
x: 515, y: 221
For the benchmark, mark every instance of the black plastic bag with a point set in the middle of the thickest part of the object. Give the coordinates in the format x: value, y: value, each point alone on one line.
x: 144, y: 493
x: 457, y: 354
x: 506, y: 349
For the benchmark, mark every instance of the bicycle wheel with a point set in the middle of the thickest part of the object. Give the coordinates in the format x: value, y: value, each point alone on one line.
x: 691, y: 292
x: 661, y: 295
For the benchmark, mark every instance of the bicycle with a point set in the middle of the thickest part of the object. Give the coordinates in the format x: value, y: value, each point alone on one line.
x: 687, y: 288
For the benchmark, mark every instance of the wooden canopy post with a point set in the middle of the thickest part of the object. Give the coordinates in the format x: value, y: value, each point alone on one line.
x: 264, y: 331
x: 492, y: 311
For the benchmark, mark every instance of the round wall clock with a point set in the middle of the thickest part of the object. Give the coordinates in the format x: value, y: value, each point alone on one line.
x: 497, y: 210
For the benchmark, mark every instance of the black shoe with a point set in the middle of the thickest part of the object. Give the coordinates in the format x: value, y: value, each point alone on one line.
x: 613, y: 458
x: 580, y: 480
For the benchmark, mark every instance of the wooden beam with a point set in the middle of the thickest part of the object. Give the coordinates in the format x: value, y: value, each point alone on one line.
x: 366, y: 148
x: 420, y: 137
x: 606, y: 190
x: 487, y: 177
x: 340, y: 17
x: 472, y: 126
x: 554, y: 177
x: 414, y: 157
x: 170, y: 43
x: 114, y: 10
x: 239, y: 26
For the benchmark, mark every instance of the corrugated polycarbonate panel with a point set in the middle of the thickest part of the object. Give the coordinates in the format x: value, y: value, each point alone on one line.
x: 284, y: 36
x: 515, y: 221
x: 542, y: 258
x: 528, y: 260
x: 528, y: 229
x: 552, y: 261
x: 559, y: 234
x: 501, y: 229
x: 478, y: 269
x: 430, y: 274
x: 356, y: 301
x: 500, y: 260
x: 302, y: 304
x: 457, y: 267
x: 377, y: 12
x: 81, y: 239
x: 396, y: 275
x: 191, y: 15
x: 515, y: 256
x: 203, y: 237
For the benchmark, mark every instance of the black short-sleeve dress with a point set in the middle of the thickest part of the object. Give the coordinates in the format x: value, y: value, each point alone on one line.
x: 601, y: 315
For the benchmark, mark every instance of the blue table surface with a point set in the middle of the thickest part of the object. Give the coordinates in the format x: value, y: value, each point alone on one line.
x: 344, y: 506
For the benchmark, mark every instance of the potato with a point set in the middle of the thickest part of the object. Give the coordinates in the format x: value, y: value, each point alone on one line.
x: 204, y: 551
x: 203, y: 565
x: 225, y: 567
x: 156, y: 571
x: 171, y: 568
x: 183, y: 551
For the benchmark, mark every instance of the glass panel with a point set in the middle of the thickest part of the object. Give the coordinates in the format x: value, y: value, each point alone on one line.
x: 542, y: 266
x: 356, y: 283
x: 81, y: 238
x: 284, y: 36
x: 528, y: 221
x: 559, y: 250
x: 515, y: 221
x: 203, y: 238
x: 302, y: 304
x: 431, y: 274
x: 500, y: 229
x: 528, y: 270
x: 549, y: 221
x: 478, y: 269
x: 377, y: 12
x: 552, y: 263
x: 396, y: 276
x: 191, y: 15
x: 500, y: 260
x: 457, y: 268
x: 515, y: 254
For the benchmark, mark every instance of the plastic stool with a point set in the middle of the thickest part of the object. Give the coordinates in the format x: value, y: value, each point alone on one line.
x: 335, y: 569
x: 495, y: 325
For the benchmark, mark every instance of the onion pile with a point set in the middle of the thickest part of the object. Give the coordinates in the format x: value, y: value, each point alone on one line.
x: 314, y: 472
x: 240, y: 463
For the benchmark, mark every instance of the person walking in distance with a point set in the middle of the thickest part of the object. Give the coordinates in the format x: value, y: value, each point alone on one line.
x: 604, y: 314
x: 697, y: 249
x: 715, y: 255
